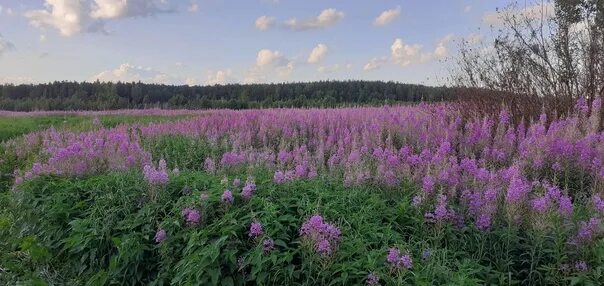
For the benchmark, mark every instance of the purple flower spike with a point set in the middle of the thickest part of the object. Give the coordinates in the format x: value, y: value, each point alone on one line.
x: 160, y: 235
x: 256, y: 230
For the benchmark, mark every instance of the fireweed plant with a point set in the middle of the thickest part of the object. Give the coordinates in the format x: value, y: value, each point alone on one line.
x: 392, y: 195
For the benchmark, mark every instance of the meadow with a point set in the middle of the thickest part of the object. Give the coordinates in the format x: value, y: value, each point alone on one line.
x: 402, y: 195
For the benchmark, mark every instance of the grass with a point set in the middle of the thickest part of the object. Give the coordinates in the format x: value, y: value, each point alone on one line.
x: 12, y: 127
x: 99, y: 230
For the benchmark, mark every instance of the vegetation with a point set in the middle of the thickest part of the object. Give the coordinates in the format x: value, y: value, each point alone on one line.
x: 120, y: 95
x: 307, y: 197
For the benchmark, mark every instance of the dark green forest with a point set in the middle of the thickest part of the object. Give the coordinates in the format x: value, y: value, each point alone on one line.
x: 67, y: 95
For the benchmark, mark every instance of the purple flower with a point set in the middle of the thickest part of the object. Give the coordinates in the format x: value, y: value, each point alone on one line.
x: 598, y: 202
x: 323, y: 236
x: 393, y: 257
x: 160, y: 235
x: 428, y: 184
x: 279, y: 177
x: 540, y: 204
x: 581, y: 266
x: 156, y: 177
x: 248, y: 190
x: 268, y: 245
x: 565, y: 206
x: 236, y: 182
x: 588, y: 230
x: 581, y: 105
x: 191, y: 216
x: 227, y: 197
x: 255, y: 230
x: 324, y: 247
x: 483, y: 222
x: 373, y: 279
x: 406, y: 261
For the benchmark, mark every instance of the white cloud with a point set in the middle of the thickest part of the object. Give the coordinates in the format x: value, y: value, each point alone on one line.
x: 387, y: 16
x: 220, y: 77
x: 109, y: 9
x: 441, y: 51
x: 193, y: 7
x: 64, y: 15
x: 533, y: 12
x: 317, y: 54
x: 263, y: 23
x: 286, y: 70
x: 112, y: 9
x: 327, y: 18
x: 374, y: 64
x: 267, y: 57
x: 269, y: 65
x: 5, y: 45
x: 71, y: 17
x: 335, y: 68
x: 408, y: 54
x: 467, y: 9
x: 405, y: 54
x: 128, y: 73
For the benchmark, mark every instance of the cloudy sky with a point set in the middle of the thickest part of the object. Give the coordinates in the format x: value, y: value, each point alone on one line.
x: 245, y: 41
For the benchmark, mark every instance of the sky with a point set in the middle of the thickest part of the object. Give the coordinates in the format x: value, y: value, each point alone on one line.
x: 201, y: 42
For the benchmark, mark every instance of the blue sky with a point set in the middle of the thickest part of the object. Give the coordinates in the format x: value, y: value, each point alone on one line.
x: 221, y: 41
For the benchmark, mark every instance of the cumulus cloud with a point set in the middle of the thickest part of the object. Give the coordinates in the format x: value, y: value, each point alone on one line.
x: 374, y: 64
x: 220, y: 77
x: 270, y: 64
x: 71, y: 17
x: 387, y: 16
x: 405, y: 54
x: 67, y: 16
x: 335, y: 68
x: 317, y: 54
x: 5, y: 45
x: 263, y: 23
x: 128, y: 73
x: 544, y: 10
x: 267, y: 57
x: 327, y: 18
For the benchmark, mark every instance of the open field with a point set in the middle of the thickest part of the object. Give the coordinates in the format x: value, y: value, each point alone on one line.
x: 391, y: 196
x: 13, y: 124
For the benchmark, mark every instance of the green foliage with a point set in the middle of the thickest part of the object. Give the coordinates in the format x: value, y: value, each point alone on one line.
x: 100, y: 230
x: 106, y: 95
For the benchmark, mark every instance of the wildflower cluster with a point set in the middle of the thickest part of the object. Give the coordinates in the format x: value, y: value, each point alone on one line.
x: 191, y: 216
x: 398, y: 261
x: 321, y: 235
x: 156, y: 176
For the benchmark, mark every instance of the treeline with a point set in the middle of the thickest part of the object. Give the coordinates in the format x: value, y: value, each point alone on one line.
x: 97, y: 95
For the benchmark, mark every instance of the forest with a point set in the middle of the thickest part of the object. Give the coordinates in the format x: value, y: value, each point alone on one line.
x: 67, y: 95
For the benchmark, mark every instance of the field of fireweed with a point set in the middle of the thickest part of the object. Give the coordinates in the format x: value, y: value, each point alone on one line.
x: 378, y: 196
